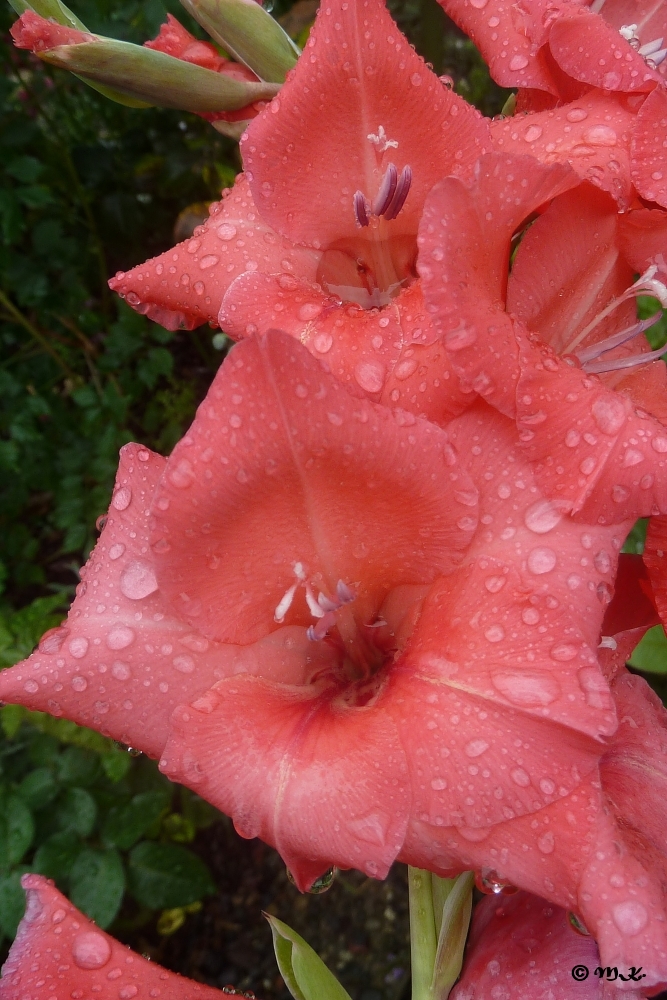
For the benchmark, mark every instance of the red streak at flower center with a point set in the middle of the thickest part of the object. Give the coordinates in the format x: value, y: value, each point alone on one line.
x: 361, y: 655
x: 370, y: 269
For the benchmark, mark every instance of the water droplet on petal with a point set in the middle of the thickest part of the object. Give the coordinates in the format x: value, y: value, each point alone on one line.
x: 137, y: 581
x: 370, y: 375
x: 546, y: 842
x: 122, y: 498
x: 78, y: 647
x: 226, y: 231
x: 116, y: 551
x: 91, y: 950
x: 577, y: 115
x: 542, y: 516
x: 630, y: 917
x: 120, y: 637
x: 518, y: 62
x: 541, y: 560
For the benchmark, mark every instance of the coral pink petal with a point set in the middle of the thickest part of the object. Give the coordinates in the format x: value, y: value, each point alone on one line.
x: 597, y: 454
x: 276, y: 759
x: 592, y: 134
x: 283, y: 467
x: 509, y: 39
x: 655, y: 558
x: 121, y: 662
x: 184, y: 287
x: 568, y: 268
x: 592, y: 51
x: 520, y: 621
x: 643, y: 237
x: 59, y: 953
x: 463, y: 735
x: 622, y: 893
x: 543, y: 852
x: 360, y: 74
x: 39, y: 34
x: 177, y: 41
x: 522, y: 947
x: 464, y: 246
x: 649, y: 173
x: 392, y: 354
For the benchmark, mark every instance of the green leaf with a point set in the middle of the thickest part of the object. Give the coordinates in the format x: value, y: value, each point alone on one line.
x: 97, y: 883
x: 56, y: 856
x: 17, y: 828
x: 12, y: 902
x: 305, y: 974
x: 11, y: 717
x: 163, y: 876
x: 78, y: 766
x: 651, y: 653
x: 77, y: 811
x: 125, y: 824
x: 116, y: 764
x: 38, y: 788
x: 25, y: 168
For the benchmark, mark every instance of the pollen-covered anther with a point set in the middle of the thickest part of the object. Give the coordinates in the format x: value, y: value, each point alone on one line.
x: 317, y: 632
x: 383, y: 198
x: 362, y: 208
x: 400, y: 194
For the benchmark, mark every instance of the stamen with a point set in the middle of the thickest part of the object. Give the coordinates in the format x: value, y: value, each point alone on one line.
x: 656, y: 59
x: 284, y: 604
x: 326, y: 603
x: 645, y: 284
x: 597, y: 6
x: 587, y: 354
x: 383, y: 198
x: 317, y: 632
x: 400, y: 194
x: 362, y: 208
x: 345, y: 594
x: 617, y: 364
x: 314, y: 608
x: 650, y: 47
x: 380, y: 140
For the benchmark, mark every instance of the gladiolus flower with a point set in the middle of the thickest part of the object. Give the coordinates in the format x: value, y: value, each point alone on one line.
x: 609, y: 44
x: 297, y: 613
x: 522, y: 948
x: 59, y: 953
x: 582, y: 416
x: 319, y: 237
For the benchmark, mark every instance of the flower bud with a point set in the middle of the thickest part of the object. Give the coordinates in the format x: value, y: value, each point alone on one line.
x: 249, y: 33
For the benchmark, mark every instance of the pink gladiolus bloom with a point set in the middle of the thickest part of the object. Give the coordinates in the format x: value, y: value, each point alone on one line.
x: 614, y: 45
x: 522, y: 948
x: 319, y: 237
x: 59, y: 953
x: 556, y: 342
x: 297, y: 612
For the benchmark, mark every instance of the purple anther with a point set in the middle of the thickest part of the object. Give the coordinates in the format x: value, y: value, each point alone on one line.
x: 383, y: 198
x: 400, y: 194
x: 588, y: 354
x: 319, y: 631
x: 326, y: 603
x: 345, y: 593
x: 620, y: 364
x: 362, y: 208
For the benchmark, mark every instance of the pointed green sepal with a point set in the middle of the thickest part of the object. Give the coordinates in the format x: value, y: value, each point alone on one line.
x: 249, y: 33
x: 452, y: 938
x: 148, y: 75
x: 305, y: 974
